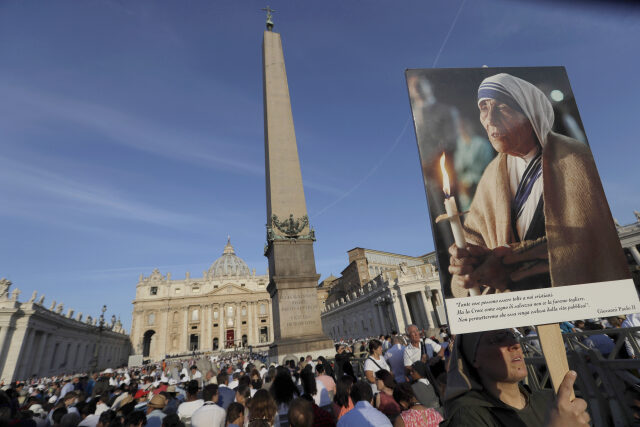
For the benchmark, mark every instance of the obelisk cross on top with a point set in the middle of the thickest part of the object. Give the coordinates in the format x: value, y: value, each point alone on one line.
x: 269, y: 17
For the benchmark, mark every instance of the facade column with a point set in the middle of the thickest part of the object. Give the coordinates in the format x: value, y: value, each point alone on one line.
x: 185, y: 331
x: 4, y: 329
x: 381, y: 322
x: 166, y: 338
x: 209, y: 327
x: 25, y: 353
x: 425, y: 305
x: 429, y: 309
x: 40, y: 355
x: 45, y: 359
x: 238, y: 335
x: 221, y: 343
x: 270, y: 332
x: 253, y: 324
x: 203, y: 324
x: 399, y: 311
x: 635, y: 253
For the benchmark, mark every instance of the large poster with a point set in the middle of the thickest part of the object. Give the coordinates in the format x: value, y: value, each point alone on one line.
x: 522, y: 228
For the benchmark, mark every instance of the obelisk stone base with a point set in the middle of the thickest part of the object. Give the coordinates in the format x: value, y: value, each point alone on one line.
x: 296, y: 311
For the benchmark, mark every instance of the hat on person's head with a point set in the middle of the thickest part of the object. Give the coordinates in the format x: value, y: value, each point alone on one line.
x: 53, y: 399
x: 37, y: 409
x: 172, y: 382
x: 171, y: 389
x: 462, y: 376
x: 157, y: 401
x: 108, y: 371
x: 125, y: 400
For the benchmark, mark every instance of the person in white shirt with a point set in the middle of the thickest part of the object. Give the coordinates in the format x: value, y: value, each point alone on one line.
x: 195, y: 373
x: 209, y: 414
x: 102, y: 405
x: 395, y: 359
x: 414, y: 351
x: 631, y: 321
x: 374, y: 363
x: 186, y: 409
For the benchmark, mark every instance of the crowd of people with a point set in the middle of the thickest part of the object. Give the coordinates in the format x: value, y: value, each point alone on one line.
x: 402, y: 380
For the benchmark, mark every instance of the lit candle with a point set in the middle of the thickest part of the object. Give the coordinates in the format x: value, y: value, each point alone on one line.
x: 451, y: 208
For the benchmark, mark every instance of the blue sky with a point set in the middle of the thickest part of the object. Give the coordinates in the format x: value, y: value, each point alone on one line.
x: 131, y: 133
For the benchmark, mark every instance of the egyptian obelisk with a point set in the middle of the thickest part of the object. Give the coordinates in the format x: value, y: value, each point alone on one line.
x: 292, y: 269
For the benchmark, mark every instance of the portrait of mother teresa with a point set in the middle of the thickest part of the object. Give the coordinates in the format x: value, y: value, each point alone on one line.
x: 539, y: 216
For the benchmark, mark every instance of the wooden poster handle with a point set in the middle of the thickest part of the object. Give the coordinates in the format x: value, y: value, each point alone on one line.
x: 555, y: 354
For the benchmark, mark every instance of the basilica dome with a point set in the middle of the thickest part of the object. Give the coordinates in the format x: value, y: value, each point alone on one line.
x: 229, y: 264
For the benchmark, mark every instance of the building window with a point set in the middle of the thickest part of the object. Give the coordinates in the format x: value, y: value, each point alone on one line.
x: 195, y: 289
x: 151, y: 319
x: 215, y: 314
x: 194, y: 315
x: 178, y: 290
x: 263, y: 309
x: 242, y: 284
x: 153, y: 290
x: 244, y: 311
x: 244, y: 322
x: 230, y: 311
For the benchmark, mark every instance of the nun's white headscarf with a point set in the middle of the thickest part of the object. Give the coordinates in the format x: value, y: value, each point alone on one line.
x: 531, y: 101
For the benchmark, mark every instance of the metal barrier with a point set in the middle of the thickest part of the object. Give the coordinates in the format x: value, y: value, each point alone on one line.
x: 608, y: 383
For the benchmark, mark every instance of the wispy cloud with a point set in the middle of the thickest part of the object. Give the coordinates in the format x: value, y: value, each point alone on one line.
x: 130, y: 131
x: 20, y: 178
x: 127, y: 130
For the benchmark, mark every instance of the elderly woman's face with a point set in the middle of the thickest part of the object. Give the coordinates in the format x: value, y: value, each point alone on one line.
x: 499, y: 357
x: 508, y: 130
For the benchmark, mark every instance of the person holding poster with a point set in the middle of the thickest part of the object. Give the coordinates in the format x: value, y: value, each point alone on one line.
x: 539, y: 216
x: 484, y: 389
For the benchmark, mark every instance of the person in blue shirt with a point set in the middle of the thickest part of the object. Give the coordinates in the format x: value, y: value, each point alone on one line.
x: 363, y: 413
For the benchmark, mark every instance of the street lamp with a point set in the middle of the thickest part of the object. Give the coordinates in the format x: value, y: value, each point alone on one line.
x: 94, y: 361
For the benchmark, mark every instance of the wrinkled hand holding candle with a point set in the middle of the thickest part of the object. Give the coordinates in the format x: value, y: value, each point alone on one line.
x: 451, y: 208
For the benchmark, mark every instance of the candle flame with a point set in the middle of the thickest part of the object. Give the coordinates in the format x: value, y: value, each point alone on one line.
x: 445, y: 178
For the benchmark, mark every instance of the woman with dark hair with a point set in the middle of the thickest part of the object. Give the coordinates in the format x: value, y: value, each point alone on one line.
x: 374, y: 363
x: 235, y: 415
x: 328, y: 369
x: 384, y: 400
x: 243, y: 394
x: 414, y: 413
x: 342, y: 402
x: 283, y: 391
x: 263, y: 410
x: 243, y: 397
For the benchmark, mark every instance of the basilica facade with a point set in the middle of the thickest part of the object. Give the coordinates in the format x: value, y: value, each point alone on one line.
x: 228, y: 307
